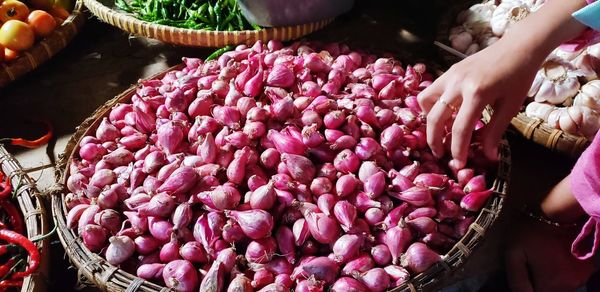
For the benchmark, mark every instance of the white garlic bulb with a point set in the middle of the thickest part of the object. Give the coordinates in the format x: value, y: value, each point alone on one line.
x: 586, y: 121
x: 539, y: 110
x: 472, y: 49
x: 588, y: 62
x: 481, y: 12
x: 461, y: 41
x: 589, y: 95
x: 510, y: 12
x: 555, y: 82
x: 569, y: 119
x: 488, y: 40
x: 566, y: 55
x: 476, y: 19
x: 554, y: 117
x: 576, y: 120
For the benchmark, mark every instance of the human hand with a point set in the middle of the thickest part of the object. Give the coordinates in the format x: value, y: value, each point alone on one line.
x: 539, y: 258
x: 500, y: 76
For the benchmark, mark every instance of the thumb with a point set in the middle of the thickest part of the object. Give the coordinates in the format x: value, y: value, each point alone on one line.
x: 494, y: 130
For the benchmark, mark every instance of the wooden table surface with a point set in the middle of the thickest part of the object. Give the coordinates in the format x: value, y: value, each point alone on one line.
x: 103, y: 61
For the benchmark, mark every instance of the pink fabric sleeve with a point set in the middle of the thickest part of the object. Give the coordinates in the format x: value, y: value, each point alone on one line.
x: 585, y: 185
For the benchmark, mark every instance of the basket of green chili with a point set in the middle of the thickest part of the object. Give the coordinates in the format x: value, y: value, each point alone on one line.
x: 198, y: 23
x: 24, y: 229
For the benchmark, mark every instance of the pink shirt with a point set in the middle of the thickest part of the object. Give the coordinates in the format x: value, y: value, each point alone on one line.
x: 585, y: 185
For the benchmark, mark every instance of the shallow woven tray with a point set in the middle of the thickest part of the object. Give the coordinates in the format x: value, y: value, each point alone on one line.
x: 100, y: 273
x: 195, y: 37
x: 32, y: 207
x: 532, y: 129
x: 541, y: 133
x: 44, y: 49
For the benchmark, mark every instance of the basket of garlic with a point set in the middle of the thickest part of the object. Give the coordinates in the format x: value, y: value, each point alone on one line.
x: 562, y: 111
x: 474, y: 25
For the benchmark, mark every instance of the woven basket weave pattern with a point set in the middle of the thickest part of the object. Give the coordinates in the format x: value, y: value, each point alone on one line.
x: 197, y: 38
x: 96, y: 271
x: 31, y: 205
x: 44, y: 49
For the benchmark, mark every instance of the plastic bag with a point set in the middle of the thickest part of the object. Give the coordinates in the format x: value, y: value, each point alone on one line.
x: 271, y: 13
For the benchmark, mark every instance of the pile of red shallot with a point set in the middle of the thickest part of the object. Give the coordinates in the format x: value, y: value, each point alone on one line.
x: 272, y: 168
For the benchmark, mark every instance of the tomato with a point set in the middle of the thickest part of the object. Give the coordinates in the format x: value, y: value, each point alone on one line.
x: 59, y: 12
x: 1, y: 53
x: 16, y: 35
x: 13, y: 9
x: 42, y: 22
x: 9, y: 54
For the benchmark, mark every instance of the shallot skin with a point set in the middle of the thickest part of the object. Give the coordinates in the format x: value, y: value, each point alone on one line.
x: 273, y: 168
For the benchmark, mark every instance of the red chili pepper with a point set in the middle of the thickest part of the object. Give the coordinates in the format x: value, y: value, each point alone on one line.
x: 10, y: 283
x: 14, y: 216
x: 8, y: 248
x: 34, y: 254
x: 5, y: 187
x: 32, y: 143
x: 4, y: 269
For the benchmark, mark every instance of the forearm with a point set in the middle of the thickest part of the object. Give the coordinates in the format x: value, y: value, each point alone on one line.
x: 560, y: 204
x: 544, y: 30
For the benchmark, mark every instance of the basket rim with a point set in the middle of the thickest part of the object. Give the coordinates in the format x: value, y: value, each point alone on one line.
x: 102, y: 273
x: 44, y: 49
x: 31, y: 205
x: 197, y: 37
x: 528, y: 127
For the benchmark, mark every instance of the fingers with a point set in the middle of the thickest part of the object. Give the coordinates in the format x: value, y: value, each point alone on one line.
x: 516, y: 271
x: 428, y: 97
x: 462, y: 131
x: 436, y: 121
x: 503, y: 114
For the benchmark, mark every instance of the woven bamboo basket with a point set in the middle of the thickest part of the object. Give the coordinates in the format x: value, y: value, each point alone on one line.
x: 541, y: 133
x: 193, y: 37
x: 44, y: 49
x: 32, y: 207
x: 531, y: 128
x: 98, y: 272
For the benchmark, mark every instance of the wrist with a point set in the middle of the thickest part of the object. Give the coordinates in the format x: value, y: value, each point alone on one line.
x: 560, y: 204
x: 538, y: 215
x: 541, y: 32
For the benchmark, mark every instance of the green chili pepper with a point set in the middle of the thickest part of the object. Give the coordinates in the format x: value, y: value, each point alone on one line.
x: 219, y: 52
x: 193, y: 14
x: 211, y: 13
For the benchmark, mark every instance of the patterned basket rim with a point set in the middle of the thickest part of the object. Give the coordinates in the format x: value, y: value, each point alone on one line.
x: 197, y: 37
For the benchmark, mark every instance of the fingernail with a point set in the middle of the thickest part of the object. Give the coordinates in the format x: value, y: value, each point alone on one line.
x: 455, y: 165
x: 436, y: 153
